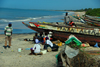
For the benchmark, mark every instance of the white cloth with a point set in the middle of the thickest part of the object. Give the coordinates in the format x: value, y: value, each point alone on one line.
x: 49, y: 43
x: 37, y: 50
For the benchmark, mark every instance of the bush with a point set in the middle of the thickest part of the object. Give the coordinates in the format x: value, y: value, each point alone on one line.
x: 93, y: 12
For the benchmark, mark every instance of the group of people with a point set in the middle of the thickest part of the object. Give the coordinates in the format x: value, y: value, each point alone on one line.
x: 37, y: 39
x: 45, y: 40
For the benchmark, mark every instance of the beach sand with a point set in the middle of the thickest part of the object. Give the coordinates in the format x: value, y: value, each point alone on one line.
x: 80, y: 13
x: 10, y: 57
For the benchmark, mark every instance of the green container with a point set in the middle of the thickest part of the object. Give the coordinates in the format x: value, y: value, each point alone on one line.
x: 73, y: 39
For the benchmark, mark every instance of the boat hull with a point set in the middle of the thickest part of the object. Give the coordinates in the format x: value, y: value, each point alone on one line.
x: 92, y: 21
x: 63, y: 35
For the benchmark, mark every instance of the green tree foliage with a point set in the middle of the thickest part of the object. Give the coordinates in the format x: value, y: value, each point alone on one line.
x: 93, y: 12
x: 90, y: 11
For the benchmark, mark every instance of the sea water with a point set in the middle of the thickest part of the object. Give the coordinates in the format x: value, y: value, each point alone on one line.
x: 17, y: 16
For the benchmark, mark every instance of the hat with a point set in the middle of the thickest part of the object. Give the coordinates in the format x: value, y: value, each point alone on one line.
x: 36, y: 41
x: 9, y: 23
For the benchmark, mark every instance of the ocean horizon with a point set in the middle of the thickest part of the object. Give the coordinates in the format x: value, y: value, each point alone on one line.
x: 17, y: 16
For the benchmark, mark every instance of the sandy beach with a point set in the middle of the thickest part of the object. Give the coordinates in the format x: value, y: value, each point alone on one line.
x: 10, y: 57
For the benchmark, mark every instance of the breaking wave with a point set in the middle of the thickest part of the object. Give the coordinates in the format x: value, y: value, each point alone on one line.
x: 20, y: 19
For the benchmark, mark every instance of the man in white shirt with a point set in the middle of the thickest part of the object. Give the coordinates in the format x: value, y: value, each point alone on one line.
x: 50, y: 44
x: 36, y: 48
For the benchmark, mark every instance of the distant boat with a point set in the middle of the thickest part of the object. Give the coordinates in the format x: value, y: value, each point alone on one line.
x: 89, y: 20
x: 59, y: 32
x: 95, y: 18
x: 92, y: 21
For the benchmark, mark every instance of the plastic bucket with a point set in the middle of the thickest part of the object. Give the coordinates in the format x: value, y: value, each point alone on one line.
x: 19, y: 49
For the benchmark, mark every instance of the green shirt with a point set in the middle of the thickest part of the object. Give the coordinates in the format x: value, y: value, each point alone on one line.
x: 8, y: 30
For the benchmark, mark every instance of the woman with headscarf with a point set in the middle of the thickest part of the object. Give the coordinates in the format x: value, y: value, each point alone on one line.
x: 36, y: 48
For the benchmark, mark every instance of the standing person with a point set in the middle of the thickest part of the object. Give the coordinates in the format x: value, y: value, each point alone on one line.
x: 66, y: 19
x: 8, y: 33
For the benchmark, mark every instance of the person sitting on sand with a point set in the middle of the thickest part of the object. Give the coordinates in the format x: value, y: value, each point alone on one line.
x: 41, y: 38
x: 50, y: 44
x: 44, y: 37
x: 35, y: 37
x: 36, y: 48
x: 57, y: 23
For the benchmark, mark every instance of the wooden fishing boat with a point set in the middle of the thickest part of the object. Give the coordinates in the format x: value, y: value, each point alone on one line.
x: 93, y: 18
x: 92, y: 22
x: 89, y: 20
x: 59, y: 32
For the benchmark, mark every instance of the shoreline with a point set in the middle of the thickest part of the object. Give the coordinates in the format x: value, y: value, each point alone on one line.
x: 10, y: 57
x: 23, y: 30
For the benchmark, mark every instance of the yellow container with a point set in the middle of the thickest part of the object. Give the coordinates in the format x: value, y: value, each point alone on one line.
x: 60, y: 44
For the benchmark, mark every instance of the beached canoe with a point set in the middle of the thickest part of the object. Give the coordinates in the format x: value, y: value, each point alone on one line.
x: 90, y: 35
x: 93, y: 18
x: 92, y: 22
x: 89, y: 20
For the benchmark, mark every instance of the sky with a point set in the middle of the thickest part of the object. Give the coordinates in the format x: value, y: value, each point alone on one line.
x: 50, y: 4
